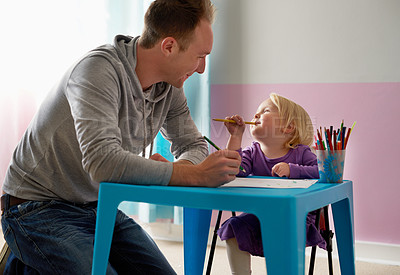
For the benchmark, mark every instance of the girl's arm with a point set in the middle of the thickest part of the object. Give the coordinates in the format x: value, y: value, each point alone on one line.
x: 307, y: 168
x: 298, y: 171
x: 236, y: 130
x: 234, y: 143
x: 247, y: 161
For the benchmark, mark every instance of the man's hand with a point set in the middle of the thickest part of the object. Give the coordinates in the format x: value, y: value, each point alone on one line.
x: 218, y: 168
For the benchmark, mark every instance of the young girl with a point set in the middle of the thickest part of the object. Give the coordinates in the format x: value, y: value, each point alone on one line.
x: 283, y: 134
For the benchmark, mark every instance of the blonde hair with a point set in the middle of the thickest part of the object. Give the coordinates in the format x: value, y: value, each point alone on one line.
x: 293, y: 114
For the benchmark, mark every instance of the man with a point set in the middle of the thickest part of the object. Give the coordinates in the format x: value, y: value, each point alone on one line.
x: 107, y: 109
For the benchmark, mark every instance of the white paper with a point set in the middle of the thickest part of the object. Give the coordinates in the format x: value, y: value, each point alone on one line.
x: 270, y: 183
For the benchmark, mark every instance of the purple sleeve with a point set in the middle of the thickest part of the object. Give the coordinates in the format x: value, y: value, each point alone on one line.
x: 246, y: 163
x: 306, y: 167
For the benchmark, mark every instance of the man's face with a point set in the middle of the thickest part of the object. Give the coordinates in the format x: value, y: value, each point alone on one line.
x: 193, y: 59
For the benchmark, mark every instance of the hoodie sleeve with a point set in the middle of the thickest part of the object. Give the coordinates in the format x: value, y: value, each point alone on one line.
x: 187, y: 142
x: 92, y: 93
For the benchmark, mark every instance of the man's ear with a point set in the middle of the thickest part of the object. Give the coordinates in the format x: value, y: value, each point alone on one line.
x: 168, y: 46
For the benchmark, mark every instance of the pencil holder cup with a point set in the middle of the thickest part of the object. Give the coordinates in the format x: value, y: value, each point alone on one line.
x: 331, y: 165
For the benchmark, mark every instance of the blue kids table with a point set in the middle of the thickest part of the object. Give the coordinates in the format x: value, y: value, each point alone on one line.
x: 282, y: 214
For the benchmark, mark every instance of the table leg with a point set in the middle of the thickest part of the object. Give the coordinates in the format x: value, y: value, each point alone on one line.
x: 196, y: 226
x: 343, y: 220
x: 106, y: 214
x: 284, y: 239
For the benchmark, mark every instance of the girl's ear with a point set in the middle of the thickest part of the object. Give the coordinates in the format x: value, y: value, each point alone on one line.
x: 289, y: 129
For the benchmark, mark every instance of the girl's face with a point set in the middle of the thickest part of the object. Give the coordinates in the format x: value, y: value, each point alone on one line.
x: 268, y: 121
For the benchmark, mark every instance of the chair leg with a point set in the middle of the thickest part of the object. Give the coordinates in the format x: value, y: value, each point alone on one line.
x: 314, y: 248
x: 213, y: 243
x: 328, y: 239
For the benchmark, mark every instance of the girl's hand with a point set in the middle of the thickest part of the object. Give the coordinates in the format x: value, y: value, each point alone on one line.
x: 158, y: 157
x: 281, y: 169
x: 235, y: 129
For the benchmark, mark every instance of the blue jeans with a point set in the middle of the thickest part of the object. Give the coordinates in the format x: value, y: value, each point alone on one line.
x: 56, y: 237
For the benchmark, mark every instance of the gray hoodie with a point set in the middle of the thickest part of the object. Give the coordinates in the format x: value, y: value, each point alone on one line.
x: 94, y: 124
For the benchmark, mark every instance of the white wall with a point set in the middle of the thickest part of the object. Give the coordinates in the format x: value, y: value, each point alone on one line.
x: 288, y: 41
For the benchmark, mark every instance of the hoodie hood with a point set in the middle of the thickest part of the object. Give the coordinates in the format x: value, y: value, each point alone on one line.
x: 126, y: 47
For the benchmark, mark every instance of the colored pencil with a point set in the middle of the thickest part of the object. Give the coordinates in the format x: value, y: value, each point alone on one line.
x: 343, y: 134
x: 326, y: 138
x: 216, y: 147
x: 232, y: 121
x: 334, y: 140
x: 354, y: 124
x: 348, y: 134
x: 329, y: 139
x: 321, y: 141
x: 341, y: 126
x: 319, y: 136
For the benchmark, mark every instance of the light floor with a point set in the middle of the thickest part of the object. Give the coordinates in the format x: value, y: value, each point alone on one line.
x: 174, y: 253
x: 173, y: 250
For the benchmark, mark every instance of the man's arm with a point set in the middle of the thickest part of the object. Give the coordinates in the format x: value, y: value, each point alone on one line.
x: 183, y: 162
x: 185, y: 173
x: 218, y: 168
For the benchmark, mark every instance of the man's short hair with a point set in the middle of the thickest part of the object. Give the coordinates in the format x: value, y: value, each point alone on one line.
x: 174, y: 18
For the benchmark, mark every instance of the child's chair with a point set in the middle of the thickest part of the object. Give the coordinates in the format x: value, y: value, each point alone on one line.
x: 327, y: 234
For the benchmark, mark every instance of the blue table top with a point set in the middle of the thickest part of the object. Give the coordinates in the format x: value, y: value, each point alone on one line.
x: 240, y: 191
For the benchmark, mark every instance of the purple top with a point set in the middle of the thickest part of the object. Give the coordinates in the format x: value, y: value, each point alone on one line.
x: 302, y: 162
x: 246, y: 227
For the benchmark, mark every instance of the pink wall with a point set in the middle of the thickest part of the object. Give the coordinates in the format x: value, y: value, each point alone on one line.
x: 372, y: 154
